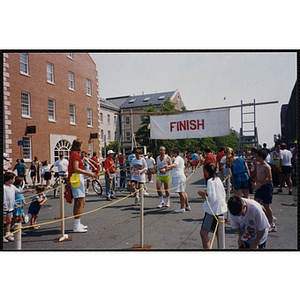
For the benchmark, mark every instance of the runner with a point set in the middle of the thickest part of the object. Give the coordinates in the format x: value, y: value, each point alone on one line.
x: 163, y: 176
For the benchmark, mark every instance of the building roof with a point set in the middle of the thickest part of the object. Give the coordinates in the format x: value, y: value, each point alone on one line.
x: 144, y: 100
x: 118, y: 101
x: 107, y: 104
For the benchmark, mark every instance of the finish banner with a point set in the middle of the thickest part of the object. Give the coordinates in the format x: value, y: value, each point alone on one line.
x: 190, y: 125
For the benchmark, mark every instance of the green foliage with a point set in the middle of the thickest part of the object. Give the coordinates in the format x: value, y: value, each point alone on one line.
x: 112, y: 145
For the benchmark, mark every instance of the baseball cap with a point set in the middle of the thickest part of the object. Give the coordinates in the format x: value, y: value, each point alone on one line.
x: 110, y: 152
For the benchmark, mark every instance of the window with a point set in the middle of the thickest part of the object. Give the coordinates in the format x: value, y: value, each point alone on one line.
x: 24, y: 63
x: 108, y: 136
x: 27, y: 147
x: 115, y: 120
x: 89, y: 117
x: 70, y: 55
x: 131, y: 100
x: 101, y: 118
x: 88, y: 87
x: 51, y: 109
x: 63, y: 146
x: 101, y: 135
x: 50, y: 73
x: 161, y: 98
x: 115, y: 135
x: 147, y: 99
x: 71, y: 80
x: 25, y: 101
x: 90, y: 147
x: 127, y: 136
x: 108, y: 119
x: 72, y: 114
x: 127, y: 120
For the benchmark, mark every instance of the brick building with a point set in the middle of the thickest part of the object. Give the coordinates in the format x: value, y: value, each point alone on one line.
x: 50, y: 99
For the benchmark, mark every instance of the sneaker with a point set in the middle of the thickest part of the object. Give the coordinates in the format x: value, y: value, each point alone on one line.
x: 290, y: 192
x: 188, y: 208
x: 87, y: 191
x: 279, y: 190
x: 161, y: 203
x: 146, y: 193
x: 272, y: 228
x: 84, y: 226
x: 167, y: 204
x: 180, y: 210
x: 151, y: 181
x: 11, y: 238
x: 79, y: 229
x: 5, y: 240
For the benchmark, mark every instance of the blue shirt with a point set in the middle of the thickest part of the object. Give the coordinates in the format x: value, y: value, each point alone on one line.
x: 238, y: 166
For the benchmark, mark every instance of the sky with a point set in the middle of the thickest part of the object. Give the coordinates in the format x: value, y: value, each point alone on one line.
x: 204, y: 79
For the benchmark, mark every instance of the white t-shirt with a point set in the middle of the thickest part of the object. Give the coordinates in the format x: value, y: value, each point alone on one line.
x: 45, y: 169
x: 223, y: 161
x: 179, y: 170
x: 9, y: 197
x: 150, y: 162
x: 138, y: 164
x: 62, y: 165
x: 216, y: 197
x: 253, y: 221
x: 286, y: 157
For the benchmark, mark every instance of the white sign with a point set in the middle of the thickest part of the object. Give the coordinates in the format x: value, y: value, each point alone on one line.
x: 190, y: 125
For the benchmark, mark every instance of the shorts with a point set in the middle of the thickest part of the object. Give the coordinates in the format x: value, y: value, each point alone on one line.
x: 209, y: 222
x: 241, y: 181
x: 286, y: 170
x: 136, y: 182
x: 195, y: 162
x: 79, y: 192
x: 151, y: 170
x: 165, y: 179
x: 8, y: 212
x: 179, y: 184
x: 32, y: 174
x: 265, y: 193
x: 34, y: 209
x: 47, y: 175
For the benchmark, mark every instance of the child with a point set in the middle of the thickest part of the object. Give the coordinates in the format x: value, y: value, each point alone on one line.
x: 9, y: 202
x: 19, y: 201
x: 35, y: 205
x: 216, y: 203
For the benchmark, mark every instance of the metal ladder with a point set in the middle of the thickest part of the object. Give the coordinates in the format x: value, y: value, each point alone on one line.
x: 248, y: 132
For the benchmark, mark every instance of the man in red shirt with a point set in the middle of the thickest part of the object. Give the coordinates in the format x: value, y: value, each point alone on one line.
x: 218, y: 159
x: 209, y: 158
x: 110, y: 175
x: 96, y: 168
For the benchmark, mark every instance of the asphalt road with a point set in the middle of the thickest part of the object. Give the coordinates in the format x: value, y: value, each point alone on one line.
x: 116, y: 225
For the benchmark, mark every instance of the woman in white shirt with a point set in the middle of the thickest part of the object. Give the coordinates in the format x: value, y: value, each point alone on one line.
x: 46, y: 173
x: 215, y: 204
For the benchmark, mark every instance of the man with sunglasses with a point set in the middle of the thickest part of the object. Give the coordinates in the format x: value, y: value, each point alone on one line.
x: 251, y: 223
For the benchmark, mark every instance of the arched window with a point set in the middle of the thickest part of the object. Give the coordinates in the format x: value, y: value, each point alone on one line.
x: 63, y: 146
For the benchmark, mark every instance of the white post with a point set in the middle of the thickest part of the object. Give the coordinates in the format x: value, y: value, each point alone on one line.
x: 142, y: 216
x: 18, y: 237
x: 221, y: 232
x: 62, y: 207
x: 228, y: 193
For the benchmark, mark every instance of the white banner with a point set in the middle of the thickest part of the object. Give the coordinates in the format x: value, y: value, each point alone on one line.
x: 190, y: 125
